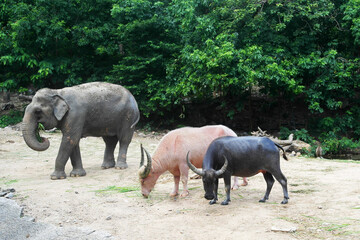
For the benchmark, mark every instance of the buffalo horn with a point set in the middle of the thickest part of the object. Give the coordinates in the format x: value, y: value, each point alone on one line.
x: 142, y: 155
x: 223, y: 168
x: 192, y: 167
x: 147, y: 169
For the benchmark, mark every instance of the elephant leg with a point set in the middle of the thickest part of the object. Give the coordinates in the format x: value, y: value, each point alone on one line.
x: 76, y: 162
x: 66, y: 147
x: 110, y: 145
x: 124, y: 144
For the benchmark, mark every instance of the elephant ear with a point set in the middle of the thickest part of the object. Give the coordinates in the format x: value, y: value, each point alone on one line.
x: 60, y: 107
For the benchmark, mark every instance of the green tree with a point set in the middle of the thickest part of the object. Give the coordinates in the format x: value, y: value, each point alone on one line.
x: 148, y: 39
x: 56, y: 43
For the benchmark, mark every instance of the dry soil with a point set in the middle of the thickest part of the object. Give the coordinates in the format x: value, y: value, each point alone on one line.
x: 324, y: 197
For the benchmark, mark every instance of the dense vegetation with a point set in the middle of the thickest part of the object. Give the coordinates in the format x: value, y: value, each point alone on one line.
x: 176, y: 54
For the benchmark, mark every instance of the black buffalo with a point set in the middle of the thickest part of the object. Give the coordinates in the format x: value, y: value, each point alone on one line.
x: 243, y: 157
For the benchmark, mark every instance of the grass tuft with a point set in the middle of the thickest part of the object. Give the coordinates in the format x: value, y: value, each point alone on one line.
x: 115, y: 189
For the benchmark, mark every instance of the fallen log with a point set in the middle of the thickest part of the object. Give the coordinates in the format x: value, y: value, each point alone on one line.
x: 289, y: 144
x: 25, y: 97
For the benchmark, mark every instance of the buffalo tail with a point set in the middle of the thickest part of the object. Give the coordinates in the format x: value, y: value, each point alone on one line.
x: 284, y: 155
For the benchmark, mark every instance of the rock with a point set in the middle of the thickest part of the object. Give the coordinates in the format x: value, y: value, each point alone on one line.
x: 29, y: 218
x: 283, y: 229
x: 299, y: 146
x: 14, y: 225
x: 9, y: 195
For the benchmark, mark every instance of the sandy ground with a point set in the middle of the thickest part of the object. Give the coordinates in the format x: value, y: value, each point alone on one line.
x: 324, y: 197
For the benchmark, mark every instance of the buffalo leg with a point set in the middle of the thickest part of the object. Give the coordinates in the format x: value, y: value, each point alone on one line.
x: 269, y: 183
x: 227, y: 180
x: 216, y: 184
x: 236, y: 184
x: 175, y: 191
x: 184, y: 172
x: 283, y: 181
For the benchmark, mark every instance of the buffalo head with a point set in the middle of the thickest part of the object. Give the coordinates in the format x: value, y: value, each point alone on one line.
x: 209, y: 177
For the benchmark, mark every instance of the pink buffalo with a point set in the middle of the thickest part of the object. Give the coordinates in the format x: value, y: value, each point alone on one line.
x: 170, y: 155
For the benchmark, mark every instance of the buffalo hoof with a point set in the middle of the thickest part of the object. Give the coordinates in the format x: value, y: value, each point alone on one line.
x: 212, y: 202
x: 262, y: 200
x: 58, y: 175
x: 225, y: 202
x: 174, y: 194
x: 77, y: 173
x: 184, y: 194
x: 121, y: 165
x: 285, y: 201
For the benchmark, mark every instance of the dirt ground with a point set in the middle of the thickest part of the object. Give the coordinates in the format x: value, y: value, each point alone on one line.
x: 324, y: 197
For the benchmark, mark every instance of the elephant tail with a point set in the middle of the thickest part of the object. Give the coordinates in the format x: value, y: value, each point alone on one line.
x: 136, y: 121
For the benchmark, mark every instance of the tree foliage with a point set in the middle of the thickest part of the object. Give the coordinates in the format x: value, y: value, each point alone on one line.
x: 170, y: 53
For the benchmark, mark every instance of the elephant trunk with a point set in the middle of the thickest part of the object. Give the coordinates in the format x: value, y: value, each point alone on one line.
x: 30, y: 133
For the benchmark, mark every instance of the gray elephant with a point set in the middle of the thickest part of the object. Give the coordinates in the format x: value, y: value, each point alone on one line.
x: 92, y: 109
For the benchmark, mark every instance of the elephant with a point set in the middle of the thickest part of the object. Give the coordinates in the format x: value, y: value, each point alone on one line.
x: 97, y: 109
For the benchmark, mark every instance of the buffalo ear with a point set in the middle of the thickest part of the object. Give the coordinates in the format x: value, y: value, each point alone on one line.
x: 60, y: 107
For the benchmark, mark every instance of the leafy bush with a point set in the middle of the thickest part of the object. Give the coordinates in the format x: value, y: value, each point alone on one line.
x: 12, y: 118
x: 301, y: 134
x: 339, y: 146
x: 169, y: 53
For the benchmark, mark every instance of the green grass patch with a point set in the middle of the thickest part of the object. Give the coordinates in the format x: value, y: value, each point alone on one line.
x: 335, y: 228
x: 304, y: 191
x: 240, y: 196
x: 156, y: 197
x: 11, y: 182
x: 115, y: 189
x: 331, y: 227
x: 300, y: 184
